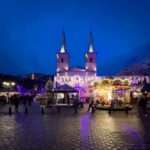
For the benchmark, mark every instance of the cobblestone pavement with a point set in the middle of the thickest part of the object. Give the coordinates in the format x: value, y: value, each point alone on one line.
x: 69, y: 131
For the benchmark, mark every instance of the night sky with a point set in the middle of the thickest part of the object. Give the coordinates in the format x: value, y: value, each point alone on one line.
x: 30, y: 33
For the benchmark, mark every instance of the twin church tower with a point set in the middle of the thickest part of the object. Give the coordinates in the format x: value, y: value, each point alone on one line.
x: 63, y: 68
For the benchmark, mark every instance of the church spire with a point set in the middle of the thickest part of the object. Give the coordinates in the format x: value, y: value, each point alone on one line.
x: 91, y: 47
x: 63, y: 46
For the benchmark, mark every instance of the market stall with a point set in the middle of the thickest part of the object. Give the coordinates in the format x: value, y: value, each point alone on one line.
x: 64, y: 94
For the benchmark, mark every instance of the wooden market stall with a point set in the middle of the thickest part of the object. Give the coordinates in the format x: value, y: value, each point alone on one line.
x: 64, y: 93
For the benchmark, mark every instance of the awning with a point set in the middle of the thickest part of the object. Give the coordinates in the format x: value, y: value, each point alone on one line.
x: 65, y: 89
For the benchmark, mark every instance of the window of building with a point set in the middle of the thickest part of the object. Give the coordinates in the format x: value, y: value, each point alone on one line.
x: 62, y: 60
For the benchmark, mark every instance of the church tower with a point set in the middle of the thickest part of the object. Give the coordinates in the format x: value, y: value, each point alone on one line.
x: 62, y: 58
x: 90, y: 58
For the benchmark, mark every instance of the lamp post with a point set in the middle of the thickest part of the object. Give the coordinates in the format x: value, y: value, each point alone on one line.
x: 9, y: 85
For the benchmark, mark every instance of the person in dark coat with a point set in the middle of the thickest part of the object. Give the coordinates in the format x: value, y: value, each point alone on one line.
x: 142, y: 104
x: 29, y: 100
x: 68, y: 99
x: 16, y: 102
x: 91, y: 103
x: 96, y: 104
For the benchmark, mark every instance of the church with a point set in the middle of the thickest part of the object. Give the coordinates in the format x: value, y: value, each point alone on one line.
x: 86, y: 80
x: 63, y: 67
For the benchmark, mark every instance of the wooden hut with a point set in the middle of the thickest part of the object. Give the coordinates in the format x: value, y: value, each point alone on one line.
x: 64, y: 93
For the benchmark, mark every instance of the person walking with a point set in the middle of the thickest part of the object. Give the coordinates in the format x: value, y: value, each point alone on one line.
x: 16, y: 102
x: 91, y: 102
x: 68, y: 99
x: 142, y: 104
x: 96, y: 104
x: 30, y: 98
x: 75, y: 102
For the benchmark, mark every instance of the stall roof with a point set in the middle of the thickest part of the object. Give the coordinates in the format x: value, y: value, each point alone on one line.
x: 65, y: 88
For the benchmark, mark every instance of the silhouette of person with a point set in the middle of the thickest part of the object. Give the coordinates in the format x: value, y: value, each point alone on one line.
x: 91, y: 103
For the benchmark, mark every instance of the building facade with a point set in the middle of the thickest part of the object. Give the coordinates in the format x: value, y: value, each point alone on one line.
x: 63, y: 67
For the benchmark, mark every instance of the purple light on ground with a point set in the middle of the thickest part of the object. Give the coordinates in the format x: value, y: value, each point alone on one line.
x: 84, y: 129
x: 129, y: 129
x: 134, y: 133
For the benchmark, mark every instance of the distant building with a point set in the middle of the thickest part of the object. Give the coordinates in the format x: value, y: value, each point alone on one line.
x: 37, y: 76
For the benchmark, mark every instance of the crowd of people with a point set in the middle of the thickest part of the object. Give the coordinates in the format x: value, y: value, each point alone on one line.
x: 93, y: 104
x: 16, y: 99
x: 3, y: 99
x: 142, y: 104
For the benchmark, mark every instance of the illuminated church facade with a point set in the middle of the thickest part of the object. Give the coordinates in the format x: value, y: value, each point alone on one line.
x: 63, y: 67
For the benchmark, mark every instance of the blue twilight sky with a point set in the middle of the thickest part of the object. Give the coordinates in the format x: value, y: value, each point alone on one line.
x: 30, y: 32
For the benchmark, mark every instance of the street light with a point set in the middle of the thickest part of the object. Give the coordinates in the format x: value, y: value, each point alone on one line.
x: 4, y: 84
x: 13, y: 83
x: 8, y: 84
